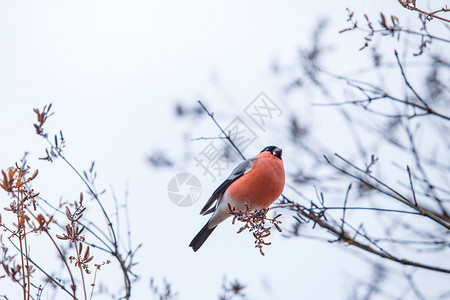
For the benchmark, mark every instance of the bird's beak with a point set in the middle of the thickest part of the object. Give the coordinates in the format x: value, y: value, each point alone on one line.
x: 278, y: 152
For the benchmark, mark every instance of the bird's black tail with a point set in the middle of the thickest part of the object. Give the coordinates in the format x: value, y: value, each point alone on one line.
x: 201, y: 237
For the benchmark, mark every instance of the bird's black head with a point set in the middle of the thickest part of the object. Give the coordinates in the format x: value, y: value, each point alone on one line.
x: 274, y: 150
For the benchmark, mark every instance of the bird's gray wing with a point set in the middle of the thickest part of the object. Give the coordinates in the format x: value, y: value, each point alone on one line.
x: 240, y: 170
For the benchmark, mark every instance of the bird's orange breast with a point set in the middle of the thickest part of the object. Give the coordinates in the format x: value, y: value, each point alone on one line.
x: 262, y: 185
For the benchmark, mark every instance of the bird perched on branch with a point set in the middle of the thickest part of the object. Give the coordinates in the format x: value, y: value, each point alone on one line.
x: 254, y: 184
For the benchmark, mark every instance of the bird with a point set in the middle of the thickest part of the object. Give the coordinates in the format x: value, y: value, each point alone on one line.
x: 254, y: 184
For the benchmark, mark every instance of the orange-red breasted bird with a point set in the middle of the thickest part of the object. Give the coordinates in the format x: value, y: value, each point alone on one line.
x: 256, y: 182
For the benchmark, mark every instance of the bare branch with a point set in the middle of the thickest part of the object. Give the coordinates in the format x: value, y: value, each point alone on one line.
x: 407, y: 82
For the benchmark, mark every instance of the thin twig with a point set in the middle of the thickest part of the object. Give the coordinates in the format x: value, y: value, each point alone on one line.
x: 345, y: 206
x: 57, y: 151
x: 396, y: 195
x: 109, y: 250
x: 287, y: 205
x: 407, y: 82
x: 412, y: 187
x: 380, y: 94
x: 45, y: 273
x: 428, y: 15
x: 346, y: 238
x: 421, y: 169
x: 210, y: 138
x: 227, y: 136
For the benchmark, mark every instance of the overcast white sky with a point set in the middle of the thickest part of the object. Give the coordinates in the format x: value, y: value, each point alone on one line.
x: 112, y: 70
